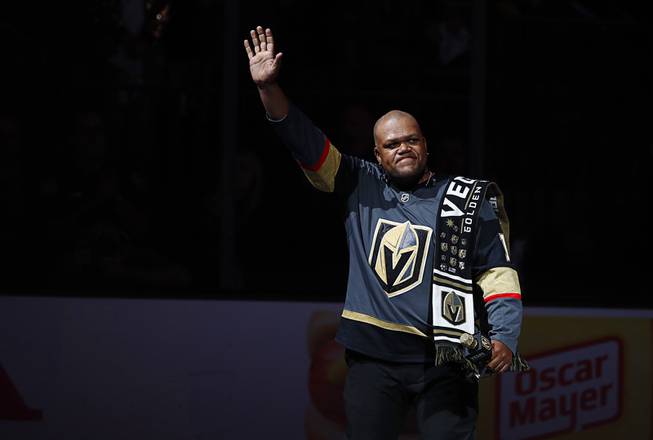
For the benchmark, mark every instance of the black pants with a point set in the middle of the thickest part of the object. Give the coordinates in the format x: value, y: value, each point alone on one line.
x: 378, y: 395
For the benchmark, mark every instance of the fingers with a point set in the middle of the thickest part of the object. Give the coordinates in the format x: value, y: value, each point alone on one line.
x: 261, y: 37
x: 500, y: 364
x: 261, y: 40
x: 248, y: 49
x: 501, y: 357
x: 255, y: 41
x: 499, y: 368
x: 277, y: 59
x: 498, y: 361
x: 502, y: 367
x: 269, y: 40
x: 494, y: 363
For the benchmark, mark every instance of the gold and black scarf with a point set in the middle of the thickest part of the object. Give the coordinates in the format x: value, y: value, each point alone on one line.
x: 454, y: 309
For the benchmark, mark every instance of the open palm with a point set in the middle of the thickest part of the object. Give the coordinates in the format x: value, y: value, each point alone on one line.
x: 264, y: 65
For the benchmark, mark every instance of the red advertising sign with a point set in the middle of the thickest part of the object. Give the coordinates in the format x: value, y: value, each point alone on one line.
x: 569, y: 389
x: 12, y: 406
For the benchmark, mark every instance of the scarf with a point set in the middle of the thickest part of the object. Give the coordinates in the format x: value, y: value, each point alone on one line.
x: 454, y: 309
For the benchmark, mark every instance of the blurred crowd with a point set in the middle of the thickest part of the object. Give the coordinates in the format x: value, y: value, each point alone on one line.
x: 110, y: 144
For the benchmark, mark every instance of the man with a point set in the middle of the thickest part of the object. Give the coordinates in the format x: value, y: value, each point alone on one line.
x: 428, y: 258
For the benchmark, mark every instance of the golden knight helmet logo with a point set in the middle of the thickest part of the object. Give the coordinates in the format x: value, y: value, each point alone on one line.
x: 398, y: 255
x: 453, y: 308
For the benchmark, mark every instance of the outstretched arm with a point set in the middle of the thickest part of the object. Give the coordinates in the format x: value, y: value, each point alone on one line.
x: 264, y: 67
x: 319, y: 160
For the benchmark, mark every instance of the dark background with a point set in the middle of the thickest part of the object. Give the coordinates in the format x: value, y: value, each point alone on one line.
x: 135, y: 159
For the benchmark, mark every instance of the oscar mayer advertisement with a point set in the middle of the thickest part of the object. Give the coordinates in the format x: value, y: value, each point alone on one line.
x: 106, y: 368
x: 590, y: 378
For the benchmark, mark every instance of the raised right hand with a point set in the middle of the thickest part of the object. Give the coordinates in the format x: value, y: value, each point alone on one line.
x: 264, y: 65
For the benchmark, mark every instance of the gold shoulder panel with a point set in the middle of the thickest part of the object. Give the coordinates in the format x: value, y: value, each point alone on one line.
x: 324, y: 178
x: 499, y: 280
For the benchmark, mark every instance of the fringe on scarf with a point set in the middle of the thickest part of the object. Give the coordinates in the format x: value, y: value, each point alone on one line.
x: 450, y: 353
x: 519, y: 364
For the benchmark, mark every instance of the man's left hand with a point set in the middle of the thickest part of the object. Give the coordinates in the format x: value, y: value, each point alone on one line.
x: 501, y: 357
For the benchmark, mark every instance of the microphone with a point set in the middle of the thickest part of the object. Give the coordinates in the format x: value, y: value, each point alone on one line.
x: 479, y: 349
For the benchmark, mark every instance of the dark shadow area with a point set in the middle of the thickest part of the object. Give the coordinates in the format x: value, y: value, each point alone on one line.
x: 111, y: 146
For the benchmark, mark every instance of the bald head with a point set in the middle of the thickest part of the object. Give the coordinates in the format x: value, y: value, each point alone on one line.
x: 400, y: 147
x: 390, y: 119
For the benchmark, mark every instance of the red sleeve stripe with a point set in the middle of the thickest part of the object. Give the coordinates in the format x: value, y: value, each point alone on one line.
x: 325, y: 153
x: 502, y: 295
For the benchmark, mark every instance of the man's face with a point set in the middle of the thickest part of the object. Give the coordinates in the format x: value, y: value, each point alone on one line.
x: 400, y: 147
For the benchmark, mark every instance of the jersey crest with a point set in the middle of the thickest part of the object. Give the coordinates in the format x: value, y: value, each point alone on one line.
x: 398, y: 255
